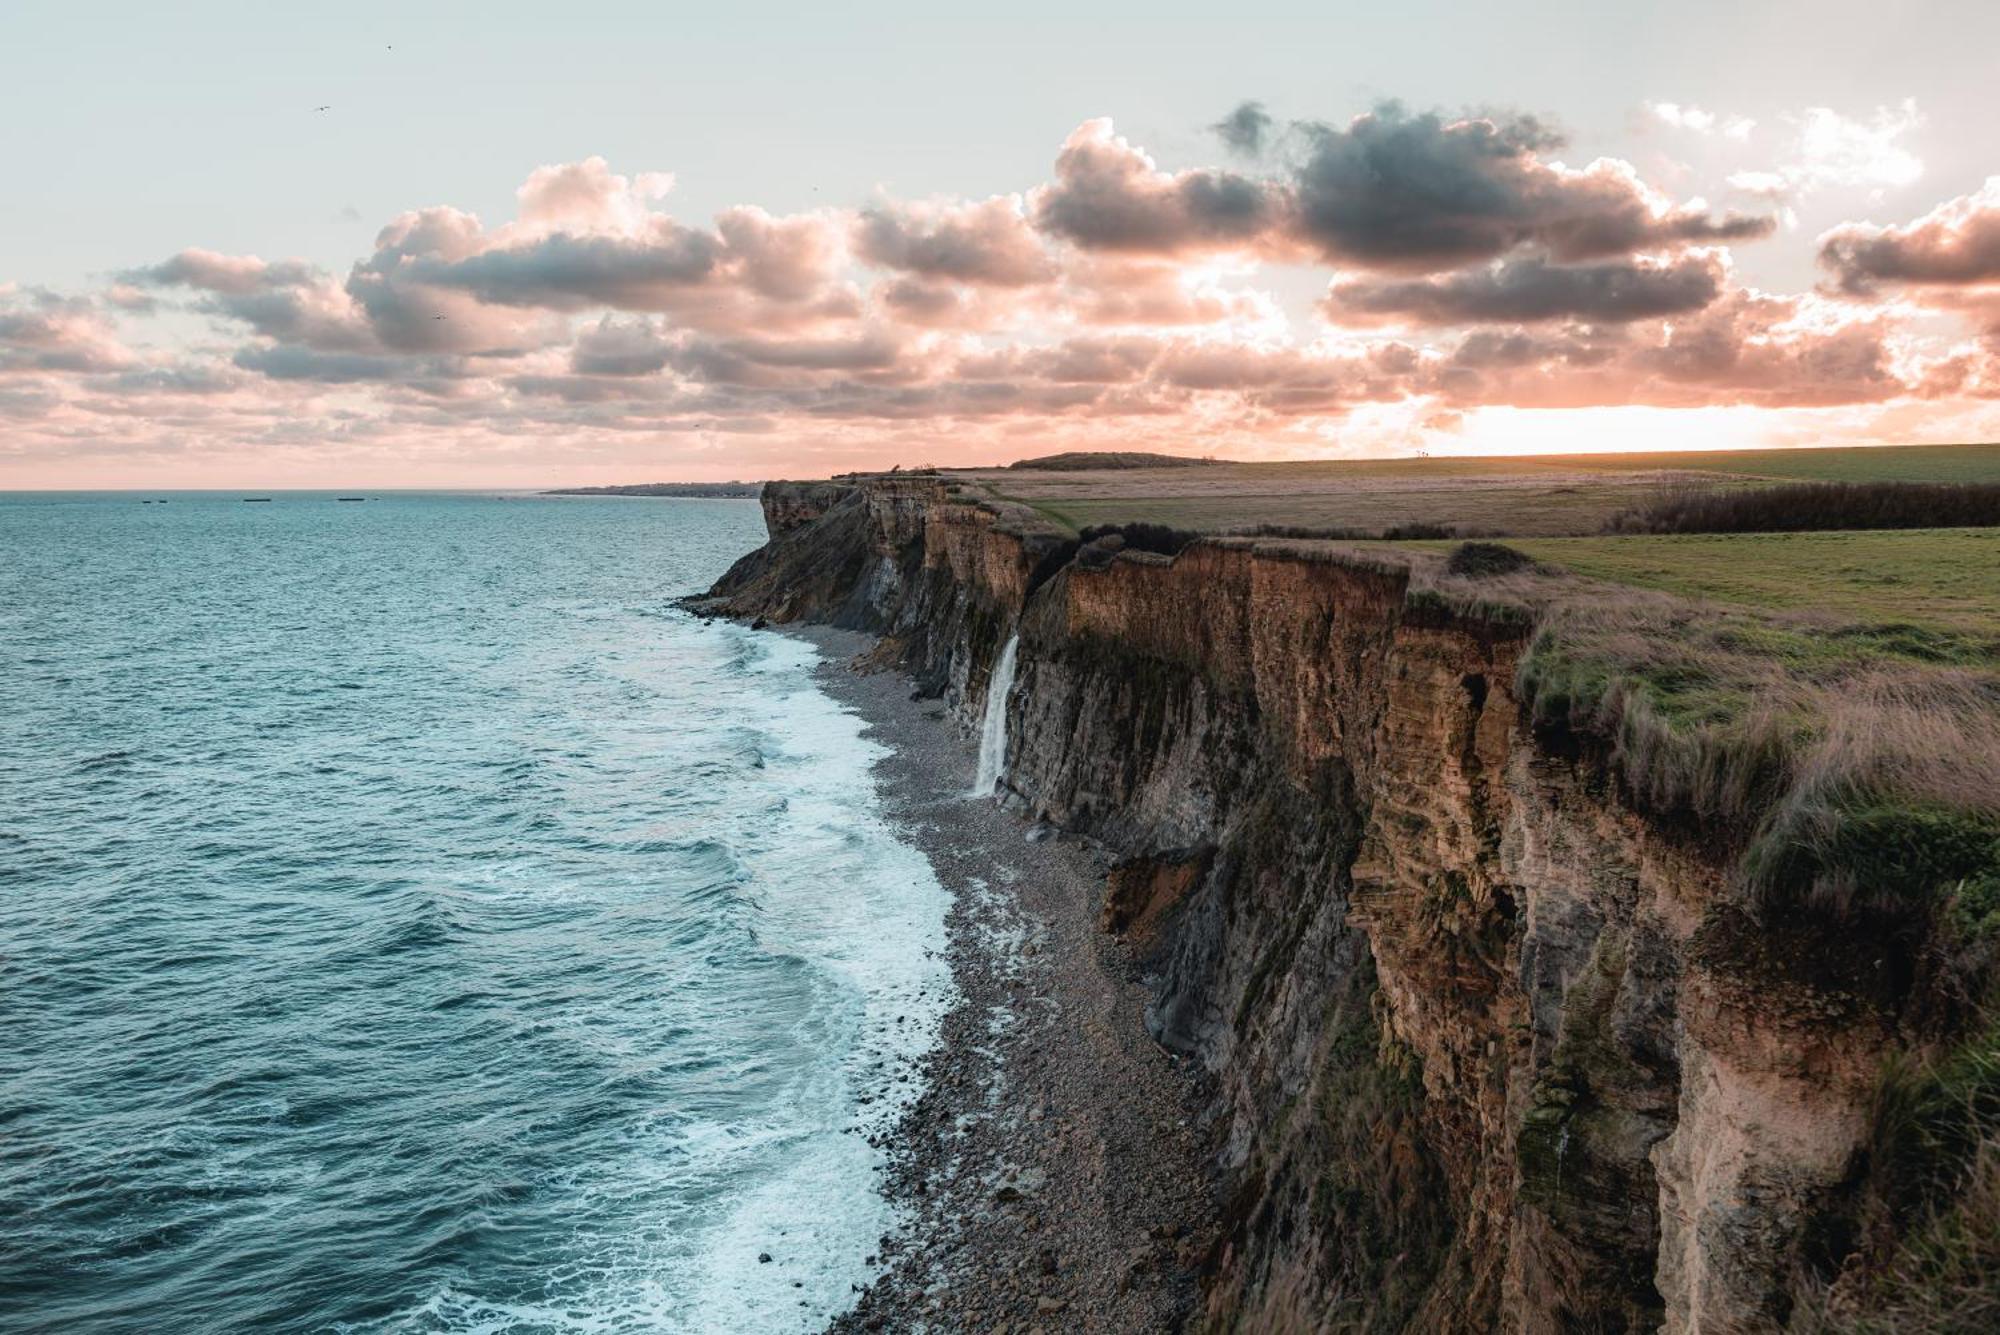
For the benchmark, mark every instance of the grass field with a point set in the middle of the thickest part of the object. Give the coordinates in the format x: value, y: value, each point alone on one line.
x: 1941, y: 578
x: 1540, y: 495
x: 1489, y: 506
x: 1906, y: 463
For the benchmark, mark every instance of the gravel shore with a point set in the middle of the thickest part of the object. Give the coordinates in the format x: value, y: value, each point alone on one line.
x: 1053, y: 1168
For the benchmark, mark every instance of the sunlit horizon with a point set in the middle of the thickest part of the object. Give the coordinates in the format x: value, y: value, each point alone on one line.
x: 311, y: 256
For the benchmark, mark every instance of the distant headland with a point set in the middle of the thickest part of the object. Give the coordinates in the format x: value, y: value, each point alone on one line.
x: 749, y: 490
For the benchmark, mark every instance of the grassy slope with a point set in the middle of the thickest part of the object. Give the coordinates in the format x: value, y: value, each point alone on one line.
x: 1946, y: 578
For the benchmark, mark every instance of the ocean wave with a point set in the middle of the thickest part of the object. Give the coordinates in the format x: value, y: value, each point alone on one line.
x: 539, y: 986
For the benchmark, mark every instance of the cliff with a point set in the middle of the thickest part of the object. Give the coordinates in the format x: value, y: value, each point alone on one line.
x: 1496, y: 1036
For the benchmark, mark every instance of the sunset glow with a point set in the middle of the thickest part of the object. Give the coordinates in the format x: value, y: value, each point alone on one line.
x: 1357, y: 278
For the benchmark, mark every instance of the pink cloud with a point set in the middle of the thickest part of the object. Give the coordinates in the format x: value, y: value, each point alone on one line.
x: 1120, y: 302
x: 988, y: 243
x: 1956, y: 244
x: 1109, y: 195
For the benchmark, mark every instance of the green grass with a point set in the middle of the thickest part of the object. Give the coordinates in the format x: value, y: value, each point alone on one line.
x: 1931, y: 1205
x: 1938, y: 578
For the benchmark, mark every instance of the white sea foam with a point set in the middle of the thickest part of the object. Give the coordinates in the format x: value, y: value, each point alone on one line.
x: 845, y: 892
x: 698, y: 1199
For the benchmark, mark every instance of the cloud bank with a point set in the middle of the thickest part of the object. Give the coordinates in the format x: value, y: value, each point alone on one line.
x: 1399, y: 266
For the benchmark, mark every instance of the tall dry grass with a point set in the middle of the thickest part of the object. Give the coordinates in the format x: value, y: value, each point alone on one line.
x: 1850, y: 779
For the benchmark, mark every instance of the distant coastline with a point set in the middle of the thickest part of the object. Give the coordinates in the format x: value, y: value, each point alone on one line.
x: 744, y: 490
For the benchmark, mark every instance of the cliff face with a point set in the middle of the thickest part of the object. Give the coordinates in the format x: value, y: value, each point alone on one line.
x: 1488, y: 1047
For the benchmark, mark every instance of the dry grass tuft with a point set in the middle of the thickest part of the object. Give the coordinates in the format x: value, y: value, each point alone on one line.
x: 1854, y: 777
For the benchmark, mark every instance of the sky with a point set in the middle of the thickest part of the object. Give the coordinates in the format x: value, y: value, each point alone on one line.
x: 509, y: 245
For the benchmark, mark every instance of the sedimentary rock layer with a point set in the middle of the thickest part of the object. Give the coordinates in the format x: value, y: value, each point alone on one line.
x: 1488, y: 1047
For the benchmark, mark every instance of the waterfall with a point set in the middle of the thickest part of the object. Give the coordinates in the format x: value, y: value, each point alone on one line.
x: 993, y: 728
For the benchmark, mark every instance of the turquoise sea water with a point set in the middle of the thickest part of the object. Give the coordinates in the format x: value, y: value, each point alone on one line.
x: 408, y: 922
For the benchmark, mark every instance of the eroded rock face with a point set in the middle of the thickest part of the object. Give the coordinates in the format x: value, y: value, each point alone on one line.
x: 1488, y: 1049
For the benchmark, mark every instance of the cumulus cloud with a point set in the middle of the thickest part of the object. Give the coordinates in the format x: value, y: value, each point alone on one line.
x: 292, y: 361
x: 1246, y: 129
x: 1419, y: 193
x: 562, y: 271
x: 1957, y: 244
x: 1747, y: 349
x: 588, y: 197
x: 1109, y: 195
x: 1831, y: 150
x: 178, y: 378
x: 45, y: 331
x: 1837, y: 150
x: 621, y: 348
x: 1683, y: 116
x: 1529, y: 289
x: 1466, y: 263
x: 751, y: 269
x: 987, y: 243
x: 286, y: 300
x: 226, y: 275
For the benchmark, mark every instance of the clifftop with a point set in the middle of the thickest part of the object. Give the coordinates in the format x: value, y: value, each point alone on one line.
x: 1546, y: 941
x: 741, y: 490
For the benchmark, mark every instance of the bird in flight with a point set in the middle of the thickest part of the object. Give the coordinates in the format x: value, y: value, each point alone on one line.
x: 438, y: 317
x: 327, y: 107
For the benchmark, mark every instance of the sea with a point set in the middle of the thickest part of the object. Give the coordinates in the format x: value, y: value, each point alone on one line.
x: 411, y: 921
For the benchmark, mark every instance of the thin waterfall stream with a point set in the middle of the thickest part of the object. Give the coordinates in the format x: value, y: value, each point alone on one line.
x: 993, y: 727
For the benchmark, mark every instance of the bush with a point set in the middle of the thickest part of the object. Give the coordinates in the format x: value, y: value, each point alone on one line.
x: 1888, y: 859
x: 1930, y: 1207
x: 1802, y: 506
x: 1305, y: 532
x: 1158, y: 538
x: 1486, y: 558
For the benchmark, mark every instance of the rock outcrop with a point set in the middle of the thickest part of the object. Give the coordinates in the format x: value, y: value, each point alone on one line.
x: 1489, y: 1047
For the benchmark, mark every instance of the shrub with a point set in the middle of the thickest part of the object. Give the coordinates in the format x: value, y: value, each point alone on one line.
x: 1301, y: 531
x: 1877, y: 856
x: 1485, y: 558
x: 1801, y: 506
x: 1051, y: 561
x: 1930, y: 1208
x: 1159, y: 538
